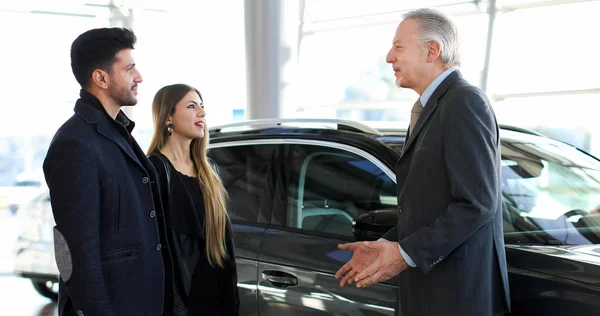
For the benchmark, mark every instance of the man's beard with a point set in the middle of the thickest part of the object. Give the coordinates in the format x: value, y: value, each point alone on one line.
x: 122, y: 95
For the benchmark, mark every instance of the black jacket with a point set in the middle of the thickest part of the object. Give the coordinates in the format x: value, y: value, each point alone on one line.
x: 106, y: 235
x: 198, y: 288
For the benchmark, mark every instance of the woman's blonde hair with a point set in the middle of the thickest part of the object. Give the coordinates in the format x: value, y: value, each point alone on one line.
x: 215, y: 196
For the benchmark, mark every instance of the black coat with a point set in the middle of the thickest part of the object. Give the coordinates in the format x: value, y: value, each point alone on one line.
x: 449, y: 198
x: 106, y: 234
x: 198, y: 288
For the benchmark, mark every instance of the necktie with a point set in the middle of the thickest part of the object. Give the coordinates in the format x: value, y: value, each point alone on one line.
x: 414, y: 114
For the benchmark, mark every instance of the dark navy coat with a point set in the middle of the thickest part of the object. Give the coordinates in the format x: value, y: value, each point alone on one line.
x: 106, y: 235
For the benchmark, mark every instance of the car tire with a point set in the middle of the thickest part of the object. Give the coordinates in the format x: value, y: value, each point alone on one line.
x: 46, y: 289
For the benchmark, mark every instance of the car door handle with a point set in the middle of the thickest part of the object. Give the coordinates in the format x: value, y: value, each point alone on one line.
x: 279, y: 278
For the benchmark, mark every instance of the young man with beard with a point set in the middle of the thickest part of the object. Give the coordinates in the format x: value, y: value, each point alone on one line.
x: 103, y: 189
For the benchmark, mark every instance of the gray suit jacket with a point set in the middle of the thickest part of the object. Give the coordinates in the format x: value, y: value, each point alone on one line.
x: 449, y: 214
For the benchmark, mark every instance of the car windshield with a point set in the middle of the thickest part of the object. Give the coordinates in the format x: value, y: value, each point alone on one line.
x: 551, y: 194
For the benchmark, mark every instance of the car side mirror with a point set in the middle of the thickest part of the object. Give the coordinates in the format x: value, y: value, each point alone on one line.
x: 372, y: 225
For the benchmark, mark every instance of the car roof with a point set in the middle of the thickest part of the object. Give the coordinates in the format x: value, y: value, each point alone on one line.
x: 385, y: 143
x: 338, y: 128
x: 297, y: 128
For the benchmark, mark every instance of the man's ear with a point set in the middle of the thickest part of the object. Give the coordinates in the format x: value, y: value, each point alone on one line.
x: 433, y: 51
x: 100, y: 78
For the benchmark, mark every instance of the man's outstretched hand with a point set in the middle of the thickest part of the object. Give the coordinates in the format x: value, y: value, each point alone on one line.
x: 364, y: 255
x: 388, y: 264
x: 371, y: 262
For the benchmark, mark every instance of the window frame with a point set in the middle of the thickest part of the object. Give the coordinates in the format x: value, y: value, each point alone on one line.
x: 262, y: 213
x: 328, y: 144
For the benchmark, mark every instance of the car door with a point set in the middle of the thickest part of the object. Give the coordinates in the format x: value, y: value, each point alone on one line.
x: 243, y: 168
x: 327, y: 185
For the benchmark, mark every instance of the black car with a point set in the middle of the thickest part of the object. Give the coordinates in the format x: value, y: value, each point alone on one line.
x: 298, y: 188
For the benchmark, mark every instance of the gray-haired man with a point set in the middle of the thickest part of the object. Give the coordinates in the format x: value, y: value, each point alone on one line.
x: 447, y: 247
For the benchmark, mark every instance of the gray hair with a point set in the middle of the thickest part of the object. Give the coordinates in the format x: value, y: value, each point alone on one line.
x: 436, y: 26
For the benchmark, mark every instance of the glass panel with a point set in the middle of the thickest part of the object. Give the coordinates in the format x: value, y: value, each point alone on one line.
x: 551, y: 194
x: 243, y: 170
x: 545, y: 55
x: 318, y: 10
x: 187, y: 43
x: 343, y: 73
x: 567, y: 118
x: 330, y: 187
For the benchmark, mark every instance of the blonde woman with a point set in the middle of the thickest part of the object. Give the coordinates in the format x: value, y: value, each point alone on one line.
x: 198, y: 234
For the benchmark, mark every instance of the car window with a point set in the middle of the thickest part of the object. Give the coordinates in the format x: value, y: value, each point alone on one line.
x: 551, y: 194
x: 329, y: 187
x: 243, y: 170
x: 27, y: 183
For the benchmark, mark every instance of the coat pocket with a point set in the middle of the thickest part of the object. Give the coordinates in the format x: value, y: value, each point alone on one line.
x: 117, y: 206
x: 122, y: 254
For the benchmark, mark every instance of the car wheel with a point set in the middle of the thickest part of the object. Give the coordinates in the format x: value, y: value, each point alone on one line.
x: 46, y: 289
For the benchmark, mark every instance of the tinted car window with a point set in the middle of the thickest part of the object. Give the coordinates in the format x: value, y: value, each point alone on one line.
x: 329, y: 187
x: 243, y: 170
x: 551, y: 194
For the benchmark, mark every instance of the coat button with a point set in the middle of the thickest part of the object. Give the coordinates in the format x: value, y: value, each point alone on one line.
x: 145, y: 180
x: 158, y: 247
x: 152, y: 214
x: 80, y: 312
x: 399, y: 209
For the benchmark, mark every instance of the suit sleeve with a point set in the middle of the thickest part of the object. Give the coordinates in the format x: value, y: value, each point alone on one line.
x: 403, y: 253
x: 71, y: 172
x: 471, y: 156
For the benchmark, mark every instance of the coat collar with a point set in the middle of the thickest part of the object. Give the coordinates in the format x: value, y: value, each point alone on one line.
x: 92, y: 108
x: 430, y: 108
x: 89, y: 108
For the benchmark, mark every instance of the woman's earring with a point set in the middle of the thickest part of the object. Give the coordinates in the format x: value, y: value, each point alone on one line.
x: 169, y: 129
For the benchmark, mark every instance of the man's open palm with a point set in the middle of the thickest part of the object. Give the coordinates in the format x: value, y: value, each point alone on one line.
x: 364, y: 255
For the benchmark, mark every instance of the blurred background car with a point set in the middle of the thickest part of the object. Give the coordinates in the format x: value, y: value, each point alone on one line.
x: 26, y: 187
x: 34, y: 247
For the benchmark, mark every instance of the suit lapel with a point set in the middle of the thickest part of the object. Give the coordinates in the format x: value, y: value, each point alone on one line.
x: 430, y: 108
x: 427, y: 111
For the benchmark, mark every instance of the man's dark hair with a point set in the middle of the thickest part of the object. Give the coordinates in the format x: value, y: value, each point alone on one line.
x: 98, y: 49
